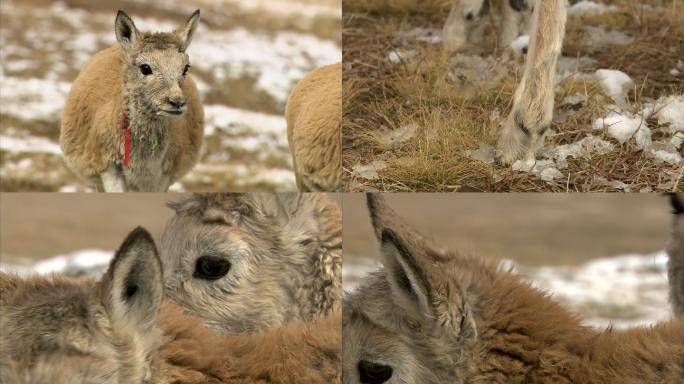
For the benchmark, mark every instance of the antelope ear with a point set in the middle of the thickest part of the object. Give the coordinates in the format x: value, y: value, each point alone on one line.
x: 125, y: 30
x: 677, y: 202
x: 188, y: 30
x: 131, y: 290
x: 399, y: 249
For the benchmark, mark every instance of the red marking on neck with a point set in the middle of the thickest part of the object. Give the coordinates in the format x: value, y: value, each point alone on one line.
x: 127, y: 138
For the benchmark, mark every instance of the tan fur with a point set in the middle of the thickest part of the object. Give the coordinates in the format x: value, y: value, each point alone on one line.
x: 295, y: 353
x: 438, y: 316
x: 284, y: 253
x: 91, y: 135
x: 532, y: 112
x: 314, y: 115
x: 55, y: 330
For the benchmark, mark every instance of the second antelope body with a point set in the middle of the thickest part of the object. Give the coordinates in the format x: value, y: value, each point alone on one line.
x: 433, y: 316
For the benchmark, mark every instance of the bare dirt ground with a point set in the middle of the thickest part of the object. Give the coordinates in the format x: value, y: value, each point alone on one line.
x: 419, y: 119
x: 600, y: 254
x: 246, y: 56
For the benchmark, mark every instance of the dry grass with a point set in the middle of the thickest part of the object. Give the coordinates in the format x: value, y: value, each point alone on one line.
x: 456, y: 115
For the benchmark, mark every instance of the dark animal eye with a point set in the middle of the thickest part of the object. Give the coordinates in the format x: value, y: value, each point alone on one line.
x: 305, y: 242
x: 211, y: 267
x: 186, y: 69
x: 145, y: 69
x: 372, y: 373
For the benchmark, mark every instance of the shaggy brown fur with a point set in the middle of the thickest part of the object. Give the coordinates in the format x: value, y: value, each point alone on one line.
x: 437, y: 316
x: 314, y: 116
x: 295, y: 353
x: 282, y: 252
x: 59, y: 330
x: 163, y: 148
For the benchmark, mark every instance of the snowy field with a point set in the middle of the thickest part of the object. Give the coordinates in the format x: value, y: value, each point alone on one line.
x: 246, y: 56
x: 624, y: 291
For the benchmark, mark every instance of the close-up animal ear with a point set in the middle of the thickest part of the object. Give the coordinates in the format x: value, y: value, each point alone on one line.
x: 677, y: 202
x: 188, y: 30
x: 409, y: 282
x: 399, y: 246
x: 125, y: 30
x: 131, y: 290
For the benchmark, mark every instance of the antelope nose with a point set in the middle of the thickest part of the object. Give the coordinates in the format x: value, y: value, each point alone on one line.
x: 177, y: 102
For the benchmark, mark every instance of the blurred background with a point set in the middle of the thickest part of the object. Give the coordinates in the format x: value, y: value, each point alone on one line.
x: 246, y: 56
x: 76, y: 233
x: 599, y: 254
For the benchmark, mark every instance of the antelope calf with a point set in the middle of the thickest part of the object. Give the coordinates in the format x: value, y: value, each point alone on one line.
x: 119, y: 331
x: 439, y: 316
x: 244, y: 262
x: 133, y: 120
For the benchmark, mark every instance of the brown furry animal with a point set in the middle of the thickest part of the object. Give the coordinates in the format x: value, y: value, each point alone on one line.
x: 675, y: 250
x: 58, y: 330
x: 248, y: 261
x: 143, y: 82
x: 438, y: 316
x: 314, y: 118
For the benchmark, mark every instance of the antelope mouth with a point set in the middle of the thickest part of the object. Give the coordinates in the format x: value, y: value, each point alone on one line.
x: 172, y: 112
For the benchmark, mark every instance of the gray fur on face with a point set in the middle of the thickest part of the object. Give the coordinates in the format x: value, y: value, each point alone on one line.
x: 283, y: 251
x: 155, y: 65
x: 60, y: 330
x: 675, y: 252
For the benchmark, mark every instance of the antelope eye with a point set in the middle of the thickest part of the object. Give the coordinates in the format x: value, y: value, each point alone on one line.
x: 186, y: 69
x: 372, y: 373
x: 211, y: 267
x: 145, y: 69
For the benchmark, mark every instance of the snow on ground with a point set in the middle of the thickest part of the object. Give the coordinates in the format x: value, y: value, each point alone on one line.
x: 625, y: 291
x: 590, y: 7
x: 244, y: 74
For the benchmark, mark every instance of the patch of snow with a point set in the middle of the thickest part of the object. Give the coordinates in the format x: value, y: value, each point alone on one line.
x: 587, y: 7
x: 276, y: 62
x: 32, y: 99
x: 622, y: 126
x: 582, y: 149
x: 86, y: 262
x: 397, y: 136
x: 600, y: 37
x: 545, y: 168
x: 370, y: 171
x: 672, y: 113
x: 520, y: 43
x: 615, y: 83
x: 397, y: 55
x: 28, y: 144
x: 602, y: 181
x: 422, y: 35
x: 485, y: 153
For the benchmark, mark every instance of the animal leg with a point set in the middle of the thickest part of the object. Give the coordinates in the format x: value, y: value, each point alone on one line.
x: 533, y: 101
x: 461, y: 25
x: 112, y: 180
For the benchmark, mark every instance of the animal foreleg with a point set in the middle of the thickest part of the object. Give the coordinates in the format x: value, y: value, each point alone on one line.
x: 462, y: 24
x: 112, y: 180
x: 675, y: 251
x: 533, y: 101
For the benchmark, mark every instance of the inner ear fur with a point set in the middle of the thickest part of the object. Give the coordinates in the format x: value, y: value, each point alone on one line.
x: 132, y: 288
x: 125, y: 30
x: 188, y: 30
